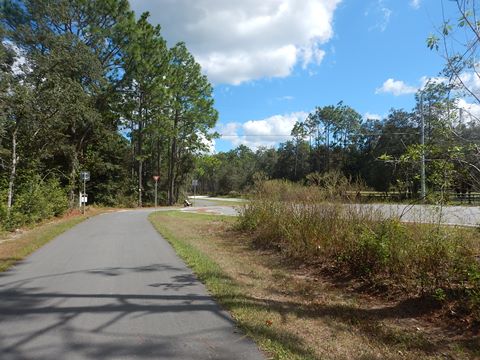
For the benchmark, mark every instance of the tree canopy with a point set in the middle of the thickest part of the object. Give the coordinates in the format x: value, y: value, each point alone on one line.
x: 88, y: 86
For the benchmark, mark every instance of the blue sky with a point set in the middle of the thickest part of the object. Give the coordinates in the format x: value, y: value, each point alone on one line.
x: 273, y: 61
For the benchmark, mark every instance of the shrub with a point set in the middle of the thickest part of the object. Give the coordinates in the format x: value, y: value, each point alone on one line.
x: 35, y: 200
x: 311, y: 223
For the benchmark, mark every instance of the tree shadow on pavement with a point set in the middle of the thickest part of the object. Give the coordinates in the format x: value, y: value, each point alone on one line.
x: 106, y: 325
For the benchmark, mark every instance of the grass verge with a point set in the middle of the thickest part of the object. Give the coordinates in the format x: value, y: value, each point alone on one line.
x: 293, y: 313
x: 180, y: 230
x: 16, y: 246
x: 220, y: 202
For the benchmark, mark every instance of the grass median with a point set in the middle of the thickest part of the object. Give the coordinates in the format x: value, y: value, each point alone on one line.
x: 294, y: 313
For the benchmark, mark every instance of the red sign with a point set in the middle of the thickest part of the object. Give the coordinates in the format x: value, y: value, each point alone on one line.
x: 156, y: 177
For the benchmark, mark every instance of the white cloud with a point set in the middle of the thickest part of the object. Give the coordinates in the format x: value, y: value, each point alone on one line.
x: 471, y: 111
x: 372, y: 116
x: 471, y: 81
x: 468, y: 79
x: 396, y: 87
x: 424, y: 80
x: 286, y: 98
x: 266, y: 132
x: 229, y: 129
x: 399, y: 87
x: 209, y: 143
x: 382, y: 14
x: 239, y: 41
x: 415, y: 4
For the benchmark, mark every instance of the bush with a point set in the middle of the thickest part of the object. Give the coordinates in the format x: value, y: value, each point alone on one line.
x: 311, y: 223
x: 35, y: 200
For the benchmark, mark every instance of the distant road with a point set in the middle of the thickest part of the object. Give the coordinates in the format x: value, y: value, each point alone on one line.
x: 112, y: 288
x: 449, y: 215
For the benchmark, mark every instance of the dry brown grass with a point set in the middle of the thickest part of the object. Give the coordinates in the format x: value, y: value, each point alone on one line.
x: 311, y: 316
x: 314, y: 225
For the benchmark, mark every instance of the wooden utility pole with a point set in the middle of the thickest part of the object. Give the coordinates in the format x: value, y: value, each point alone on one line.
x: 423, y: 190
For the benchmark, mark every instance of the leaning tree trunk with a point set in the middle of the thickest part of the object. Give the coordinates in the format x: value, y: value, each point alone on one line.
x: 13, y: 171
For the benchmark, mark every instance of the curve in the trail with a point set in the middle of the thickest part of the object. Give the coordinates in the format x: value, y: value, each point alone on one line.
x: 112, y: 288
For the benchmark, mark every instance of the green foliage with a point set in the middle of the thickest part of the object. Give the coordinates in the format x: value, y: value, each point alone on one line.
x: 109, y: 96
x: 36, y: 200
x: 371, y: 252
x: 299, y: 222
x: 432, y: 42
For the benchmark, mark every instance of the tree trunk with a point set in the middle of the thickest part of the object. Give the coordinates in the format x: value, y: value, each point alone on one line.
x: 169, y: 170
x: 171, y: 174
x: 73, y: 178
x: 171, y: 166
x: 13, y: 172
x: 140, y: 180
x: 159, y: 158
x: 132, y: 131
x: 296, y: 160
x: 139, y: 153
x: 328, y: 148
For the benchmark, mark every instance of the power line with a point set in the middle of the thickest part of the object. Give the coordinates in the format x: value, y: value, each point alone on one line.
x: 290, y: 135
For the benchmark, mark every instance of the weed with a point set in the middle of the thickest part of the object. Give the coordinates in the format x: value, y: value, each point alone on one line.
x: 314, y: 223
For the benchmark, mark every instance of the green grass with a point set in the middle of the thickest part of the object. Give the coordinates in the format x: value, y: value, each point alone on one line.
x: 227, y: 291
x: 15, y: 249
x: 220, y: 202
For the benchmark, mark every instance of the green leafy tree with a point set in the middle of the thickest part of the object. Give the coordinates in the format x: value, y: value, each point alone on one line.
x: 145, y: 88
x: 191, y: 116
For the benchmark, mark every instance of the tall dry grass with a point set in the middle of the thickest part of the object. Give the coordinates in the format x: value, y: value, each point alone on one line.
x: 314, y: 223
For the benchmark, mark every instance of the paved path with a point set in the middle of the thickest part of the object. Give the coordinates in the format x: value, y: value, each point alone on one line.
x: 212, y: 209
x: 208, y: 205
x: 112, y: 288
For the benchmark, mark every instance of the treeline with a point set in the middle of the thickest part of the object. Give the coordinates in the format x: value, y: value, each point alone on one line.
x: 87, y: 86
x: 382, y: 155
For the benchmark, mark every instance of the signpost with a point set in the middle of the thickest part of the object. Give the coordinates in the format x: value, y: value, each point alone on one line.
x: 84, y: 176
x: 156, y: 177
x: 194, y: 184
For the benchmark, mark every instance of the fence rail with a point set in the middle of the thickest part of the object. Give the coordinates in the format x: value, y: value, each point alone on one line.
x: 452, y: 198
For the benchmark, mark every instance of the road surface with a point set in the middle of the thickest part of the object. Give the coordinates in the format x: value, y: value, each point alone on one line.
x: 447, y: 215
x: 112, y: 288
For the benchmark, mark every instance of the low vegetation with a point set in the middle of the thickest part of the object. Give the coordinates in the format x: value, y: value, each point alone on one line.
x: 36, y: 200
x: 307, y: 223
x: 293, y: 312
